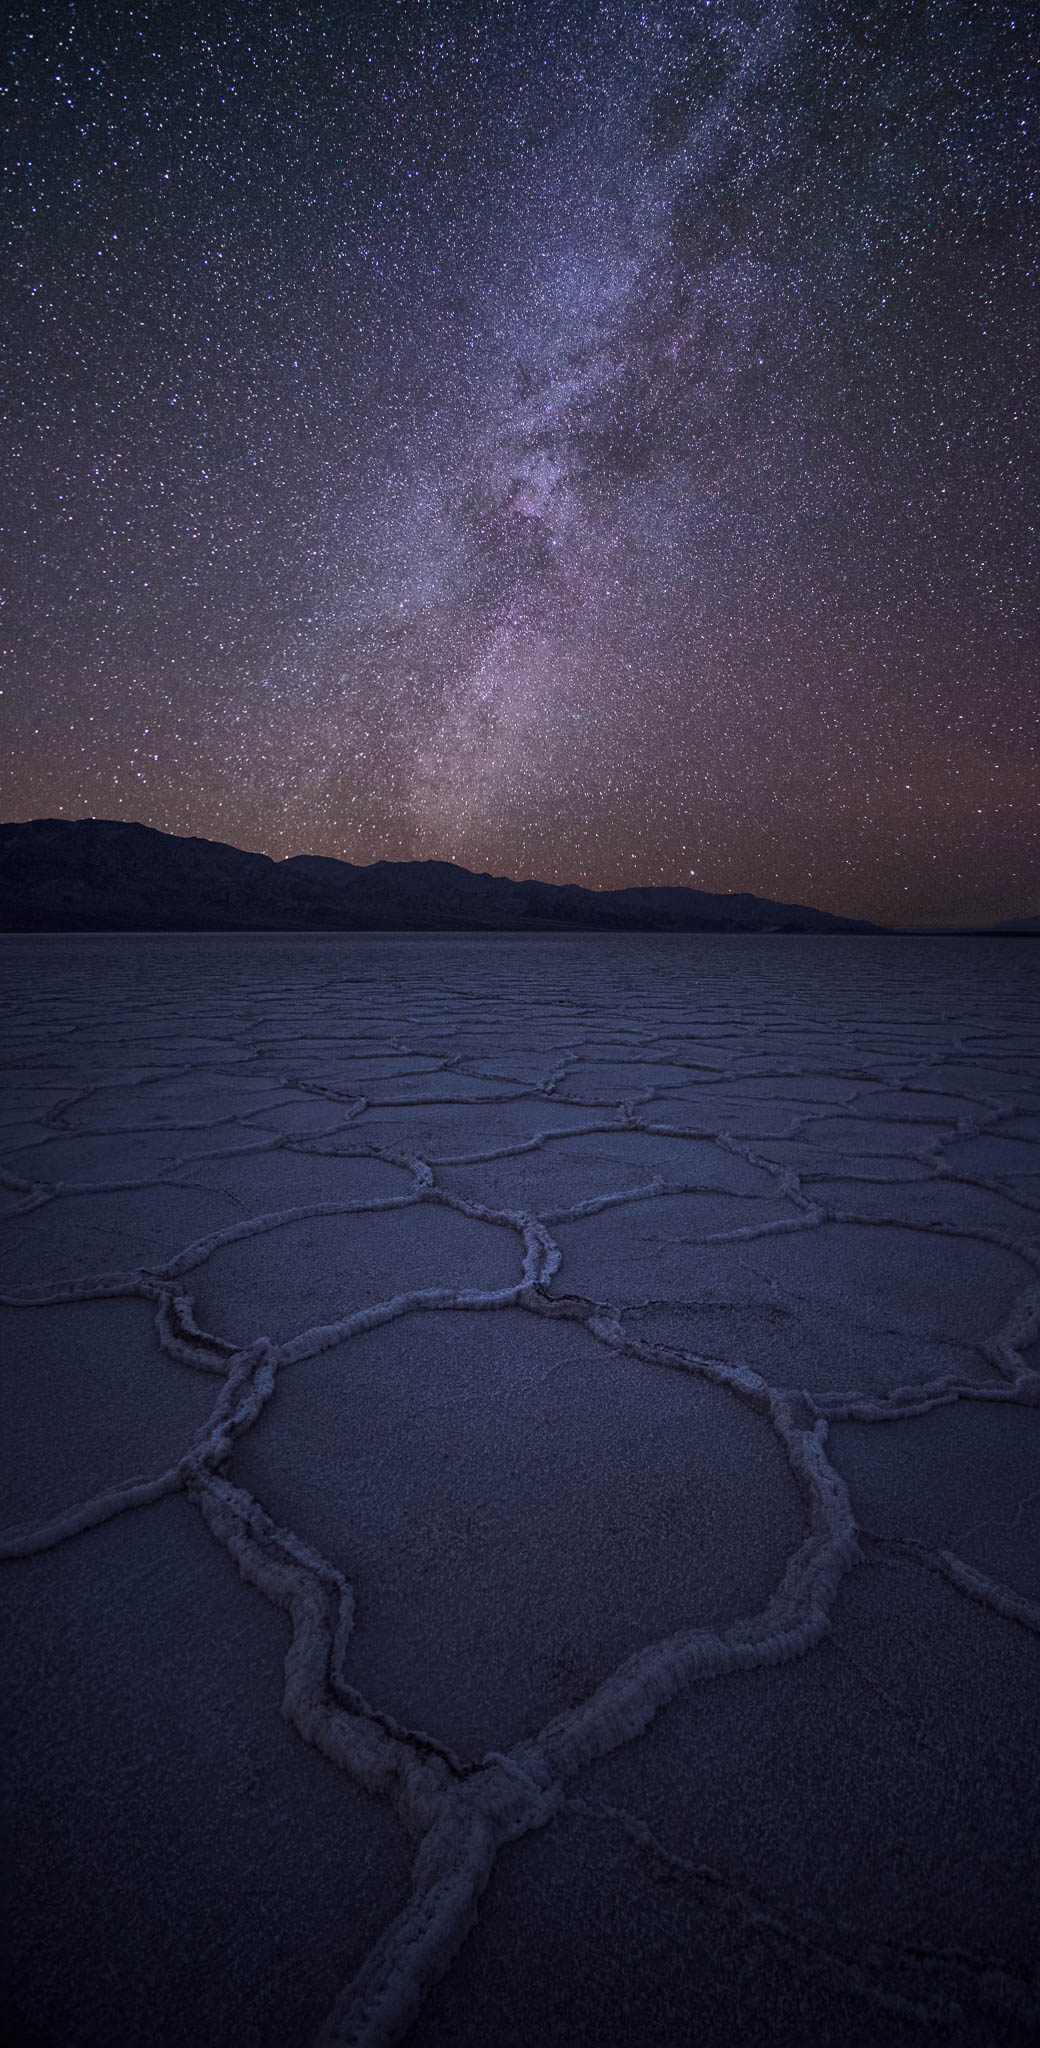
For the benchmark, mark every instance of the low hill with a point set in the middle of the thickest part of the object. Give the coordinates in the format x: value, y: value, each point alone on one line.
x: 97, y: 874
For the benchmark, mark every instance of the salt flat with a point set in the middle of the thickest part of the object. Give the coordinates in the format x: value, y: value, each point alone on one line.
x: 523, y: 1472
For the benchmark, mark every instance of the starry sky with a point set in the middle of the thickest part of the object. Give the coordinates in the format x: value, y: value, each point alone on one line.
x: 584, y: 440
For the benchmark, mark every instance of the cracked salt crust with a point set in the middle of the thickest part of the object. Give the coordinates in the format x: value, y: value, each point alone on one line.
x: 524, y: 1457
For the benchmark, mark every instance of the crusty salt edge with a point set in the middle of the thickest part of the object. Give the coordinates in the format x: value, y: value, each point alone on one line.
x: 989, y: 1185
x: 451, y: 1872
x: 378, y: 1102
x: 596, y: 1204
x: 992, y: 1982
x: 967, y: 1578
x: 231, y: 1414
x: 181, y: 1338
x: 1019, y: 1383
x: 27, y: 1541
x: 259, y: 1226
x: 37, y: 1200
x: 793, y: 1620
x: 318, y: 1599
x: 602, y: 1127
x: 325, y: 1336
x: 138, y: 1279
x: 386, y: 1995
x: 356, y: 1105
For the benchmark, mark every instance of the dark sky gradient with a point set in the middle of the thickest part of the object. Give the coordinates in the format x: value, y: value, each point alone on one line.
x: 589, y: 441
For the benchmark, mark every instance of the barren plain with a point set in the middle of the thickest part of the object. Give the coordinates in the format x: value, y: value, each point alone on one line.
x: 523, y: 1490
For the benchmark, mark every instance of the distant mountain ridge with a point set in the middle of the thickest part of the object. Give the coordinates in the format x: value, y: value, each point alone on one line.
x: 96, y: 874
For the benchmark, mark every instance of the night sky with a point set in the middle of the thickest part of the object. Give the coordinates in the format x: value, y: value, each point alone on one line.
x: 579, y: 440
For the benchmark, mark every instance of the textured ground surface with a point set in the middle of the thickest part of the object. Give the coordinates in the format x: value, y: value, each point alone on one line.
x: 523, y: 1472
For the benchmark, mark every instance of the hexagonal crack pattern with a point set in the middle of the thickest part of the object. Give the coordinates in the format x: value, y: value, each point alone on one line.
x: 532, y: 1278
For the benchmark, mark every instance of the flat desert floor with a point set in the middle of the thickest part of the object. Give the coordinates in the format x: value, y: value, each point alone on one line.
x: 523, y: 1490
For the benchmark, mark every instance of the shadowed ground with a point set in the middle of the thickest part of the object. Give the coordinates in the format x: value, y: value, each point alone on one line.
x: 523, y: 1472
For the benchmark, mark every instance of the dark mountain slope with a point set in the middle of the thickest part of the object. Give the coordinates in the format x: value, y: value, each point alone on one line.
x: 92, y: 874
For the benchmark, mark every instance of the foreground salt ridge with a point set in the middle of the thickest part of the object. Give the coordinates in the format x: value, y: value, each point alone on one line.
x: 460, y: 1813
